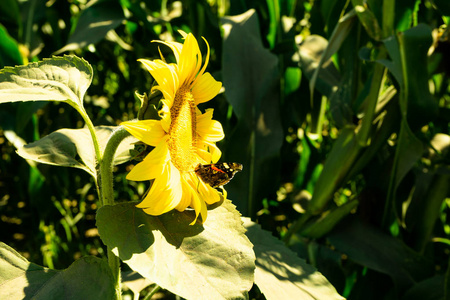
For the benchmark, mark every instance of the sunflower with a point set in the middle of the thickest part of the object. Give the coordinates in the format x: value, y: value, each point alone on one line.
x: 184, y: 136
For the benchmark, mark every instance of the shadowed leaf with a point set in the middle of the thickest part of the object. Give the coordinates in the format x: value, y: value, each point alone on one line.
x: 210, y: 261
x: 281, y: 274
x: 74, y: 148
x: 95, y: 21
x: 251, y: 81
x: 376, y: 250
x: 88, y: 278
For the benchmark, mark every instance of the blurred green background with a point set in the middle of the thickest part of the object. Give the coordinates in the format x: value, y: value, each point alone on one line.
x: 338, y: 110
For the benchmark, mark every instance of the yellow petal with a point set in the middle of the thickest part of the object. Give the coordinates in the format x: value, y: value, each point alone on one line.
x: 208, y: 129
x: 207, y: 193
x: 213, y: 150
x: 165, y: 193
x: 200, y: 73
x: 165, y: 115
x: 153, y: 164
x: 187, y: 194
x: 203, y: 153
x: 175, y: 46
x: 190, y: 60
x: 148, y: 131
x: 200, y: 208
x: 205, y: 88
x: 164, y: 74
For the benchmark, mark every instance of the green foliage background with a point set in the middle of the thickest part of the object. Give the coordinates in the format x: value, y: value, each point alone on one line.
x: 339, y: 111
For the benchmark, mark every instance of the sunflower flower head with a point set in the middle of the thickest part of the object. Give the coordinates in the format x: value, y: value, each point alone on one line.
x: 184, y: 136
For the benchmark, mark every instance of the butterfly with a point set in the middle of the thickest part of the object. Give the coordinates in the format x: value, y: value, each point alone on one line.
x: 218, y: 174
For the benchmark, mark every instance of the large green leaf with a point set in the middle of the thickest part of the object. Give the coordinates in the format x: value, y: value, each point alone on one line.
x: 87, y: 278
x: 74, y: 148
x: 281, y: 274
x: 63, y: 79
x: 251, y: 80
x: 99, y: 17
x: 210, y: 261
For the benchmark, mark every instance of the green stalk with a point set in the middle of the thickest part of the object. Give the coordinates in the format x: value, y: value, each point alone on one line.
x: 98, y: 153
x: 363, y: 134
x: 106, y: 167
x: 152, y: 292
x: 91, y: 128
x: 106, y: 185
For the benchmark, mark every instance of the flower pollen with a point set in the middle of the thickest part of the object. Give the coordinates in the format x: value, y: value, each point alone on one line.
x: 182, y: 132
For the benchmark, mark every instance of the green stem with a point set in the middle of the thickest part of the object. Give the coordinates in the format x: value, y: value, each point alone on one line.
x: 152, y: 292
x: 106, y: 167
x: 91, y: 128
x: 107, y: 192
x: 295, y: 227
x: 98, y: 153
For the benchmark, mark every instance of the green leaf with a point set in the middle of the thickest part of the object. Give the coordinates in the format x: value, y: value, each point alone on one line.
x: 409, y: 60
x: 63, y: 79
x: 339, y: 162
x: 443, y: 6
x: 413, y: 46
x: 430, y: 289
x: 9, y: 49
x: 367, y: 19
x: 408, y: 151
x: 99, y: 17
x: 281, y: 274
x: 210, y: 261
x: 251, y: 80
x: 374, y: 249
x: 428, y: 202
x: 338, y: 36
x: 134, y: 281
x: 87, y: 278
x: 311, y: 52
x: 10, y: 17
x: 328, y: 220
x: 74, y: 148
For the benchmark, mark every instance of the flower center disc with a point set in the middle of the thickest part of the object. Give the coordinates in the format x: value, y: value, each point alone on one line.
x: 182, y: 131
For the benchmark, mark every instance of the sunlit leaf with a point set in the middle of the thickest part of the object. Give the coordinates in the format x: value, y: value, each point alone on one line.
x: 281, y: 274
x: 251, y: 81
x: 74, y: 148
x: 210, y: 261
x: 87, y: 278
x: 63, y: 79
x: 95, y: 21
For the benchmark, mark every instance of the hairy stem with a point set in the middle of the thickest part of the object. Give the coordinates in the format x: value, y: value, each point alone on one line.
x: 107, y: 192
